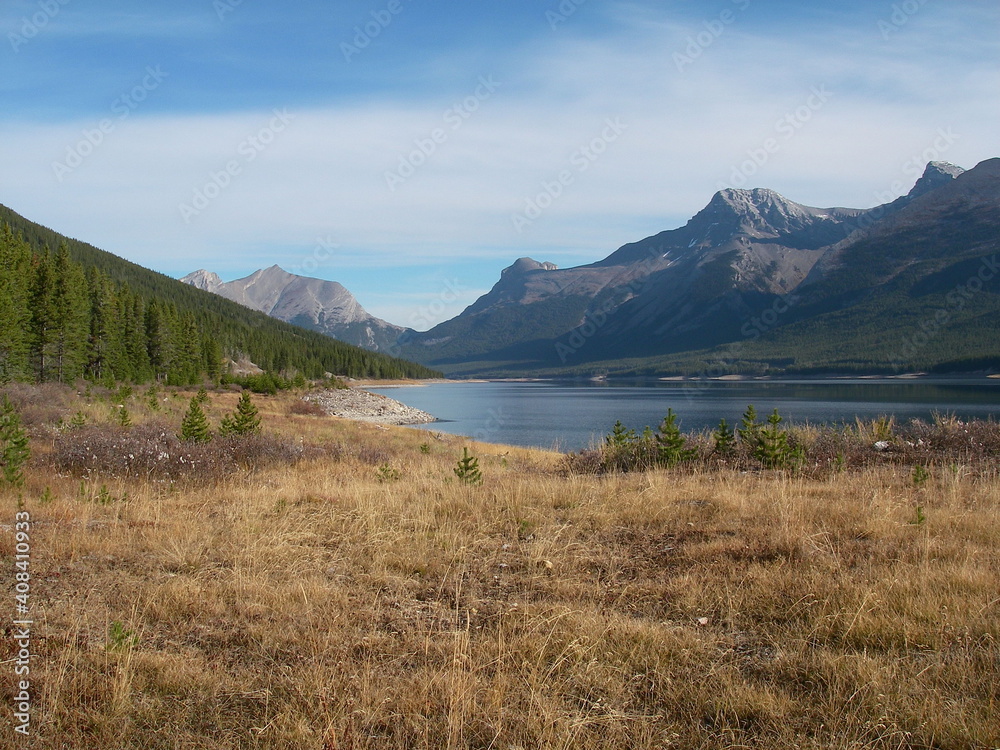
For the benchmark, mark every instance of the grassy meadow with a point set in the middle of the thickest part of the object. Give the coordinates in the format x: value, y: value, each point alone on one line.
x: 334, y: 585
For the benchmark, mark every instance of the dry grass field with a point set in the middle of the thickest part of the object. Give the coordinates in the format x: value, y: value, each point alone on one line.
x: 346, y: 591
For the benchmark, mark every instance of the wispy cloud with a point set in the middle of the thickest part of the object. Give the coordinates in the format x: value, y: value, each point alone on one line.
x: 326, y: 173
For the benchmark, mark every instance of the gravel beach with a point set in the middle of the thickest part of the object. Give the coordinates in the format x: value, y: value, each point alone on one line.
x: 354, y: 403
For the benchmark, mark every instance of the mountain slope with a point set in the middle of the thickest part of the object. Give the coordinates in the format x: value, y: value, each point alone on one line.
x: 315, y: 304
x: 238, y: 331
x: 751, y: 269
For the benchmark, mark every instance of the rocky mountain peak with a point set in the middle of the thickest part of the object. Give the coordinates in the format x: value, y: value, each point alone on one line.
x: 758, y: 212
x: 202, y: 279
x: 936, y: 174
x: 524, y: 265
x: 317, y: 304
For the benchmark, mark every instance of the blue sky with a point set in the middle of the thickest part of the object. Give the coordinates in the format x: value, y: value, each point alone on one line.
x: 411, y: 150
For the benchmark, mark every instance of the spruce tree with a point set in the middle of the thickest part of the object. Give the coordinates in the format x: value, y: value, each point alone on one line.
x: 43, y: 324
x: 72, y: 321
x: 194, y: 426
x: 467, y: 469
x: 670, y: 442
x: 749, y: 431
x: 724, y: 437
x: 245, y: 421
x: 15, y: 274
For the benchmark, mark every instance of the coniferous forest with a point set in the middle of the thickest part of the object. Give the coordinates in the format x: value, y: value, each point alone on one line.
x: 69, y: 310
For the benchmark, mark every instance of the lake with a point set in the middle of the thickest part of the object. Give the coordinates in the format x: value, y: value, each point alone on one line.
x: 574, y: 415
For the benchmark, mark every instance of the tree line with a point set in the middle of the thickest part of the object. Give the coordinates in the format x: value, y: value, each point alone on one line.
x: 63, y: 318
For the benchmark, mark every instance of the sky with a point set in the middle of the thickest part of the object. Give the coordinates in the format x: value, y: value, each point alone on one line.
x: 411, y: 150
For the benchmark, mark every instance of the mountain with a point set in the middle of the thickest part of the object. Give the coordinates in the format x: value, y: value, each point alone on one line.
x: 753, y: 282
x: 122, y: 305
x: 315, y: 304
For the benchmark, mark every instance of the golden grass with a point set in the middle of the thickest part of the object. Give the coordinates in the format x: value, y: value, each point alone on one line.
x: 316, y: 606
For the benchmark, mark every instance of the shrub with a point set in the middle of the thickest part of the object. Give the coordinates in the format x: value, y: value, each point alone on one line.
x: 386, y: 473
x: 306, y: 408
x: 153, y: 451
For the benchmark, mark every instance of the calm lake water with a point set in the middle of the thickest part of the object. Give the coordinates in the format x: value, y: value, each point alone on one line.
x: 571, y: 416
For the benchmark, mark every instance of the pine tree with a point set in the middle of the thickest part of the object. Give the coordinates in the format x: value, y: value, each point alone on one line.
x: 72, y: 322
x: 133, y: 318
x: 245, y: 421
x: 14, y: 450
x: 724, y: 437
x: 194, y: 426
x: 42, y: 307
x: 186, y: 364
x: 670, y: 442
x: 467, y: 469
x: 106, y: 357
x: 749, y: 431
x: 773, y: 449
x: 15, y: 275
x: 620, y: 437
x: 159, y: 339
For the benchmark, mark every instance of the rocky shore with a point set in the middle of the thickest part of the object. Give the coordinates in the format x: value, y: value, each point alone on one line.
x: 354, y: 403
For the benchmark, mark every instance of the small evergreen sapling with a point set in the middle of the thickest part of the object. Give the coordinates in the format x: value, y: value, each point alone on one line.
x: 773, y: 449
x: 194, y: 427
x: 725, y: 438
x: 14, y: 450
x: 245, y: 421
x: 467, y: 469
x: 670, y: 443
x: 122, y: 417
x: 620, y: 437
x: 749, y: 430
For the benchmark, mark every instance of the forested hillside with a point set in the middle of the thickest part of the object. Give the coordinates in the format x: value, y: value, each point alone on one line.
x: 69, y: 310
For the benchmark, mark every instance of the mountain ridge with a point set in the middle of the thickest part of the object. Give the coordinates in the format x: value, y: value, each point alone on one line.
x: 315, y: 304
x: 695, y: 286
